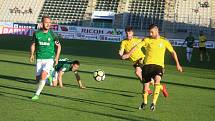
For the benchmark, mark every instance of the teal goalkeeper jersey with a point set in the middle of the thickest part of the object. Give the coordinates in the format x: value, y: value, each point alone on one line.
x: 45, y: 44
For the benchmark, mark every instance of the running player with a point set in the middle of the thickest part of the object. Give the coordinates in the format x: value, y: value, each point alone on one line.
x: 44, y: 42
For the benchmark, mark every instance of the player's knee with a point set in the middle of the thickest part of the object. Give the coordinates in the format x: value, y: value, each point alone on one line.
x: 138, y: 72
x: 44, y: 75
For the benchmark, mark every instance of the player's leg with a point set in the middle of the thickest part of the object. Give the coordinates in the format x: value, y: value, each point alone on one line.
x: 138, y: 72
x: 42, y: 82
x: 55, y: 79
x: 156, y: 91
x: 45, y: 67
x: 39, y: 65
x: 157, y: 74
x: 146, y: 75
x: 60, y: 76
x: 51, y: 76
x: 201, y: 54
x: 144, y: 95
x: 208, y: 57
x: 187, y: 54
x: 191, y: 52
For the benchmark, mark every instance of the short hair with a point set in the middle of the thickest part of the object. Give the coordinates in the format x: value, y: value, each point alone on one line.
x: 76, y: 62
x: 128, y: 29
x: 152, y: 26
x: 43, y: 18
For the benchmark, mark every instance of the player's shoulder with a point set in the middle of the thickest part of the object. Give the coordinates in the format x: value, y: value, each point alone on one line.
x: 164, y: 38
x: 124, y: 41
x: 37, y: 32
x: 146, y: 38
x: 136, y: 38
x: 52, y: 32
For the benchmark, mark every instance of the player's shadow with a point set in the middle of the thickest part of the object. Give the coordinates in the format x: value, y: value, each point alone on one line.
x: 105, y: 90
x: 87, y: 101
x: 31, y: 81
x: 15, y: 62
x: 128, y: 117
x: 18, y: 79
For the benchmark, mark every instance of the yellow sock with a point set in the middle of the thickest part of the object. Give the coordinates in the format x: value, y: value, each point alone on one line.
x: 145, y: 96
x: 161, y: 86
x: 156, y: 93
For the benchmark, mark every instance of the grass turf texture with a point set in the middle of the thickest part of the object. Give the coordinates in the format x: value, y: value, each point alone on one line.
x: 191, y: 93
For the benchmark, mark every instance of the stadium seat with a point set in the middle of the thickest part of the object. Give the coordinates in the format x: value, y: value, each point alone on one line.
x: 65, y: 9
x: 26, y: 11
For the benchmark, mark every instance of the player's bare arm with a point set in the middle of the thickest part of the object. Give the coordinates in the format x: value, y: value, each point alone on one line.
x: 78, y: 78
x: 60, y: 79
x: 175, y: 57
x: 58, y: 45
x: 127, y: 55
x: 32, y: 52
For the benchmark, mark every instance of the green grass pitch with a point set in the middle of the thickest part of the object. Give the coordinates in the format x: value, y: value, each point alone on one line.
x: 191, y: 93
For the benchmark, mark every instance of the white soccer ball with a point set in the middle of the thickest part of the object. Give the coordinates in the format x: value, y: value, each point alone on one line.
x: 99, y: 75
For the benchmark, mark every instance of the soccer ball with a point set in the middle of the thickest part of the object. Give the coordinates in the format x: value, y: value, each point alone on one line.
x: 99, y: 75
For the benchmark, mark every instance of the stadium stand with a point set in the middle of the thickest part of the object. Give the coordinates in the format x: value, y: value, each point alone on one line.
x: 24, y: 11
x: 189, y: 15
x: 145, y: 12
x: 107, y: 5
x: 174, y: 16
x: 65, y: 11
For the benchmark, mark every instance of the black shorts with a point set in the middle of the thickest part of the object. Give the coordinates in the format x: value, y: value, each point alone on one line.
x: 202, y: 49
x: 138, y: 63
x: 150, y: 71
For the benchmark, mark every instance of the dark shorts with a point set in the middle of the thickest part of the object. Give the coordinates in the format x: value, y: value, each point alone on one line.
x: 202, y: 49
x: 150, y: 71
x: 138, y: 63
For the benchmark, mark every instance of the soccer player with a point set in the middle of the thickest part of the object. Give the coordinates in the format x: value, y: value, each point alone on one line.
x: 155, y: 47
x: 190, y: 43
x: 66, y: 65
x: 44, y: 42
x: 136, y: 56
x: 202, y: 46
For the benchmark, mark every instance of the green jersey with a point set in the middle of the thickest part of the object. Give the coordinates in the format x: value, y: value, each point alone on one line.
x: 64, y: 64
x: 45, y: 44
x: 190, y: 41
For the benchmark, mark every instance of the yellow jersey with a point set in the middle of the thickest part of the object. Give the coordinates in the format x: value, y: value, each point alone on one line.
x: 127, y: 45
x: 202, y: 40
x: 155, y: 50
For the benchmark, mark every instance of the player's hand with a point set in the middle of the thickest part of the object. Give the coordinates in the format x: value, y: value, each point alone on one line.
x: 179, y: 68
x: 31, y: 58
x: 56, y: 61
x: 82, y: 87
